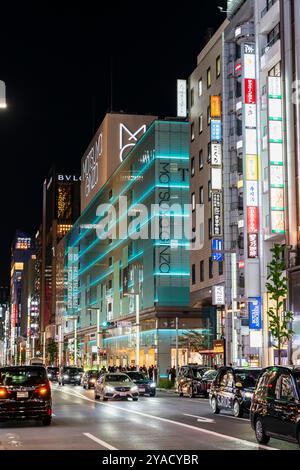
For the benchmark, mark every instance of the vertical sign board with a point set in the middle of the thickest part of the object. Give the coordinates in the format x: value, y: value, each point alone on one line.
x: 181, y: 98
x: 217, y: 226
x: 218, y: 295
x: 251, y: 160
x: 276, y: 173
x: 255, y: 317
x: 72, y: 280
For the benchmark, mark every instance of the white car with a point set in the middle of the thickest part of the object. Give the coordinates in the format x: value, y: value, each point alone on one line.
x: 116, y: 386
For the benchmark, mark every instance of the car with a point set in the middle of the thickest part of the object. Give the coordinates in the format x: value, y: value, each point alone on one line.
x: 70, y: 375
x: 89, y: 378
x: 53, y: 373
x: 275, y: 408
x: 25, y: 393
x: 115, y: 386
x: 188, y: 380
x: 232, y: 389
x: 145, y: 385
x: 206, y: 381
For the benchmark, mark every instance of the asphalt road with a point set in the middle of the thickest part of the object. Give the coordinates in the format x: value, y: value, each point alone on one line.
x: 162, y: 422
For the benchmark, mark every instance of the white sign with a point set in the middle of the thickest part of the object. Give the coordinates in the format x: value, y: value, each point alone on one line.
x: 251, y: 146
x: 216, y: 179
x: 218, y: 295
x: 250, y: 115
x: 275, y: 109
x: 216, y: 154
x: 181, y: 98
x: 276, y: 153
x: 249, y: 65
x: 251, y: 193
x: 276, y: 176
x: 130, y: 137
x: 90, y: 165
x: 274, y: 84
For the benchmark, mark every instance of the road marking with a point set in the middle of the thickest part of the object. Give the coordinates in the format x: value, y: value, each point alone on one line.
x: 201, y: 418
x: 102, y: 443
x: 233, y: 417
x: 177, y: 423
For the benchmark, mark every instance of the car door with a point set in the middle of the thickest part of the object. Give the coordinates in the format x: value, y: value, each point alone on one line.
x: 286, y: 405
x: 221, y: 389
x: 229, y: 390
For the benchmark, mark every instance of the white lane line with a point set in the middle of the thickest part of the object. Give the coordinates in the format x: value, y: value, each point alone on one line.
x: 201, y: 419
x: 177, y: 423
x: 102, y: 443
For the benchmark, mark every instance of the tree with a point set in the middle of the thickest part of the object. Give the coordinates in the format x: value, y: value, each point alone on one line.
x: 193, y: 341
x: 277, y: 287
x: 52, y: 351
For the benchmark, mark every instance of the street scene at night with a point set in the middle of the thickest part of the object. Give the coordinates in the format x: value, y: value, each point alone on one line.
x: 150, y: 255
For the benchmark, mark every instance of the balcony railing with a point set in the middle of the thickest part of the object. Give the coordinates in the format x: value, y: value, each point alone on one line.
x: 270, y: 44
x: 267, y: 8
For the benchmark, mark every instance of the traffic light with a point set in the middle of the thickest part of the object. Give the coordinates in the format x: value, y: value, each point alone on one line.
x: 108, y: 324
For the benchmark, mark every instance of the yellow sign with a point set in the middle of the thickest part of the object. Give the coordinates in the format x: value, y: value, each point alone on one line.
x: 251, y: 168
x: 215, y: 106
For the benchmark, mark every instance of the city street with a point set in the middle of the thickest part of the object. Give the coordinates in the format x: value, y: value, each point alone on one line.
x: 163, y: 422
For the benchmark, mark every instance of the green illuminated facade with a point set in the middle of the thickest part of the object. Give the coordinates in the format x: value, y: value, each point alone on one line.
x: 106, y: 274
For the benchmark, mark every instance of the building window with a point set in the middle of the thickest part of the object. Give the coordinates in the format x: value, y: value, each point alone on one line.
x: 193, y: 274
x: 192, y: 97
x: 275, y: 71
x: 201, y: 159
x: 200, y: 123
x: 238, y: 89
x: 210, y: 268
x: 218, y: 66
x: 208, y: 152
x: 201, y: 195
x: 209, y: 190
x: 201, y: 271
x: 238, y: 51
x: 272, y: 37
x: 208, y: 77
x: 208, y: 115
x: 192, y: 166
x: 110, y: 261
x: 220, y: 268
x: 192, y: 132
x: 209, y: 228
x: 200, y: 87
x: 193, y: 201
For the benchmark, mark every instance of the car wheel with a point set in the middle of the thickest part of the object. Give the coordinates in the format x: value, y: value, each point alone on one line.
x: 96, y: 395
x: 214, y: 406
x: 46, y: 421
x: 260, y: 434
x: 135, y: 399
x: 88, y: 387
x: 152, y: 394
x: 237, y: 409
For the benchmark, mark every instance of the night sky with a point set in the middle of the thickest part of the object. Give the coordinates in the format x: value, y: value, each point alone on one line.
x: 56, y: 65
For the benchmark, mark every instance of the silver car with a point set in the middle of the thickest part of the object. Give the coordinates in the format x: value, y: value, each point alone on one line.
x: 116, y: 386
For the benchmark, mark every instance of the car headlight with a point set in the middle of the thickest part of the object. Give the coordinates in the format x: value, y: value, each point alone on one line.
x: 109, y: 388
x: 248, y: 395
x: 134, y: 389
x: 49, y: 376
x: 77, y: 376
x: 153, y: 384
x: 92, y: 381
x: 66, y: 376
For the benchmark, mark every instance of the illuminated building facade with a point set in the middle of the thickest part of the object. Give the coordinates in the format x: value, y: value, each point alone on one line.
x: 110, y: 280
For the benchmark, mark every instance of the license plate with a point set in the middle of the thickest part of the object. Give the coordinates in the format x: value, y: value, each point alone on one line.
x: 22, y: 394
x: 123, y: 394
x: 142, y: 390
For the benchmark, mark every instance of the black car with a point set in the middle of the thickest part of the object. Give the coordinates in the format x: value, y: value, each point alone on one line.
x: 145, y: 385
x: 232, y: 389
x: 275, y: 408
x: 89, y: 378
x: 53, y: 373
x: 189, y: 380
x: 25, y: 393
x: 70, y: 375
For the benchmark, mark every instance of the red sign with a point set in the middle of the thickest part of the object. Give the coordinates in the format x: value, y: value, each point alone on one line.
x: 241, y: 264
x: 252, y: 245
x: 250, y: 93
x: 252, y: 219
x: 14, y: 315
x: 238, y: 67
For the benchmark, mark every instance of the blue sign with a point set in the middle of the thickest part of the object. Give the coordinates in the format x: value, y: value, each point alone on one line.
x: 217, y: 245
x: 215, y: 130
x: 255, y: 321
x: 217, y: 256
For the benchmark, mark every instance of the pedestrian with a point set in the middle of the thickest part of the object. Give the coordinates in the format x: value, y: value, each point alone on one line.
x: 173, y: 374
x: 150, y: 372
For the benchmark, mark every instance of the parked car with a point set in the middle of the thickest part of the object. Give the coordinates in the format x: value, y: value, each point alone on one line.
x: 189, y: 380
x: 232, y: 389
x: 25, y: 393
x: 53, y: 373
x: 70, y: 375
x: 275, y: 408
x: 145, y: 385
x: 89, y: 378
x: 206, y: 381
x: 116, y: 386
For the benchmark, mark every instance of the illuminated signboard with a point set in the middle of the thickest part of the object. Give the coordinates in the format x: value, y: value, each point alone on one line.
x: 217, y: 245
x: 276, y: 176
x: 252, y: 193
x: 216, y: 154
x: 215, y: 106
x: 215, y: 129
x: 251, y: 145
x: 218, y: 295
x: 277, y: 199
x: 255, y: 317
x: 72, y: 282
x: 181, y: 98
x: 216, y: 214
x: 216, y: 178
x: 250, y: 115
x: 252, y: 245
x: 252, y: 219
x: 251, y: 167
x: 277, y: 221
x: 250, y: 92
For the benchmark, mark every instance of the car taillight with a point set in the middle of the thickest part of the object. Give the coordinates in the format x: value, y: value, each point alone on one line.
x: 43, y: 390
x: 3, y: 393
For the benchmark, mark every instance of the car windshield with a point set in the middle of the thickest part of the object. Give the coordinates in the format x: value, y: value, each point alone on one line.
x: 22, y: 376
x: 247, y: 378
x: 72, y: 371
x: 93, y: 373
x: 198, y: 373
x: 52, y: 369
x: 117, y: 378
x: 210, y: 374
x: 136, y: 376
